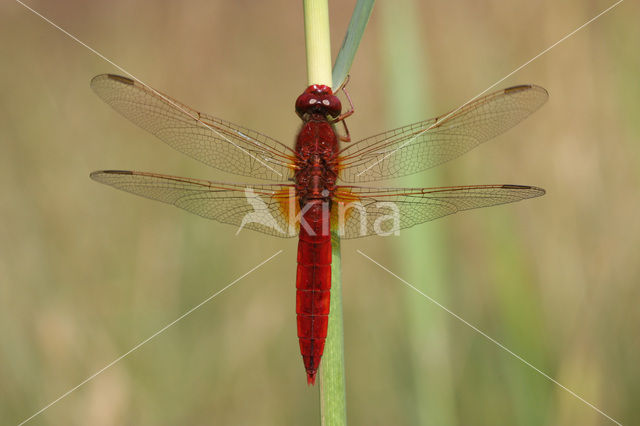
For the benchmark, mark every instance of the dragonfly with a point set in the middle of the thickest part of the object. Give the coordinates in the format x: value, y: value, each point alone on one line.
x: 313, y: 188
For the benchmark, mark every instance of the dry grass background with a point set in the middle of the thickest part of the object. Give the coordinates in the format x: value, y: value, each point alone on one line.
x: 87, y: 272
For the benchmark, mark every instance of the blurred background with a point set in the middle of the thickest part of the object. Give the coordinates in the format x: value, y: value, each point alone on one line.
x: 87, y: 272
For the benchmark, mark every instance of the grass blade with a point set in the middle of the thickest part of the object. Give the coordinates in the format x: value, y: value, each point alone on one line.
x: 358, y: 23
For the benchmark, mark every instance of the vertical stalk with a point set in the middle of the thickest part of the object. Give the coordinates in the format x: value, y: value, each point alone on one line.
x: 333, y: 402
x: 317, y: 41
x: 424, y: 251
x: 333, y: 411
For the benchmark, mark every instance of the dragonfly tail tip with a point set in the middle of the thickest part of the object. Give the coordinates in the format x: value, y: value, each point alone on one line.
x: 311, y: 378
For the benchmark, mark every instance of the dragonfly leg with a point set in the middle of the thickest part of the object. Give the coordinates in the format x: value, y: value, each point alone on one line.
x: 341, y: 117
x: 347, y: 136
x: 351, y: 107
x: 344, y: 83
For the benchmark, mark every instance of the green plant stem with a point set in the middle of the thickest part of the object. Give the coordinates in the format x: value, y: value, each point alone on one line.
x: 333, y: 411
x: 333, y: 402
x: 429, y: 398
x: 317, y: 41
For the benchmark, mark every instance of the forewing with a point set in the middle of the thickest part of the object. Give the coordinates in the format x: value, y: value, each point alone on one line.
x: 380, y: 211
x: 419, y: 146
x: 262, y: 208
x: 217, y: 143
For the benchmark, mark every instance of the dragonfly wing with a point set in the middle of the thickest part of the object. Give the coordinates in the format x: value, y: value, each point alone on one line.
x: 419, y: 146
x: 381, y: 211
x: 262, y: 208
x: 217, y: 143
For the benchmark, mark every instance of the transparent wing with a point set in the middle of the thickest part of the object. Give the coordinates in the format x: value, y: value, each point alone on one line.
x: 419, y: 146
x: 376, y: 211
x: 217, y: 143
x: 262, y: 208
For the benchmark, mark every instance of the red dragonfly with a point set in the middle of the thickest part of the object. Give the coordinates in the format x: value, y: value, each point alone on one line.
x: 308, y: 202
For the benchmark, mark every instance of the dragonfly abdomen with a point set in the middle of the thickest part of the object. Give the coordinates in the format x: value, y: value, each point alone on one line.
x: 313, y: 284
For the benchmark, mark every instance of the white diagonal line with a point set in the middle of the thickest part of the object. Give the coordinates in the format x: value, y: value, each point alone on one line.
x: 147, y: 339
x: 166, y: 99
x: 518, y: 357
x: 440, y: 121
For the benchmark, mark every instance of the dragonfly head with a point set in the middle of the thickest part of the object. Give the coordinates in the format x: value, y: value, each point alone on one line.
x: 318, y: 99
